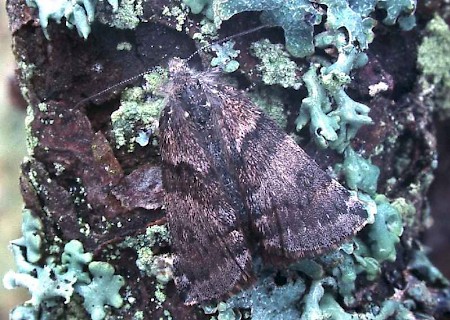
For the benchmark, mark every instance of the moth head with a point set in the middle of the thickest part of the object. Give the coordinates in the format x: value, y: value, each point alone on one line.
x: 177, y: 67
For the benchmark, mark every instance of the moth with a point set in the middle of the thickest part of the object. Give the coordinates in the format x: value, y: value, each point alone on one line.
x: 237, y: 185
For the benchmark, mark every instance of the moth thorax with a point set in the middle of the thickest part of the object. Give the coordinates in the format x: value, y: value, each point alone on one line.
x: 178, y: 67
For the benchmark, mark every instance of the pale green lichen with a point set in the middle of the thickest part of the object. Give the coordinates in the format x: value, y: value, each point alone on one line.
x: 158, y: 266
x: 385, y: 232
x: 76, y: 260
x: 139, y: 111
x: 314, y: 109
x: 434, y: 58
x: 32, y: 235
x: 77, y: 13
x: 434, y: 52
x: 275, y: 67
x: 32, y: 141
x: 360, y: 173
x: 225, y: 55
x: 200, y: 6
x: 266, y: 301
x: 401, y: 10
x: 124, y: 46
x: 50, y: 280
x: 179, y: 13
x: 127, y: 15
x: 333, y: 128
x: 102, y: 290
x: 298, y: 17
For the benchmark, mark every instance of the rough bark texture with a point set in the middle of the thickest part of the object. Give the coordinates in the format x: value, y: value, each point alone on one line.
x: 88, y: 192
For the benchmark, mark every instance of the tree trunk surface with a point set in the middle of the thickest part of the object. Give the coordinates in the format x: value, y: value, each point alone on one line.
x: 82, y: 185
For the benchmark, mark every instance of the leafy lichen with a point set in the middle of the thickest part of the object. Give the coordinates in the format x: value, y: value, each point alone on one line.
x: 59, y: 276
x: 102, y: 290
x: 79, y: 13
x: 225, y: 57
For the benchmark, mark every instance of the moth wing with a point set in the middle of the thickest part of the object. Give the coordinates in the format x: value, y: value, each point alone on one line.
x: 295, y: 208
x: 211, y: 254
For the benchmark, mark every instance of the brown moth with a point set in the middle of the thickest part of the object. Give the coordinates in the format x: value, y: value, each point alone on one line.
x: 237, y: 185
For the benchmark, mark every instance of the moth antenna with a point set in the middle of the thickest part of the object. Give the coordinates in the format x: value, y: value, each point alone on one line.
x: 237, y: 35
x: 126, y: 81
x: 114, y: 86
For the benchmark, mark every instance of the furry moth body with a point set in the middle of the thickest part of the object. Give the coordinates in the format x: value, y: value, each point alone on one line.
x: 235, y: 184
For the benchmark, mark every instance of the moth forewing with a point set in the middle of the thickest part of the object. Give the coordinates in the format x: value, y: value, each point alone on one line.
x: 232, y: 178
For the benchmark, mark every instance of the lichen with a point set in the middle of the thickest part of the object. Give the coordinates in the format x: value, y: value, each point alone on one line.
x: 434, y: 51
x: 270, y: 101
x: 32, y: 141
x: 434, y: 58
x: 139, y: 111
x: 299, y: 17
x: 330, y: 128
x: 399, y: 10
x: 178, y: 13
x: 150, y: 263
x: 59, y: 276
x: 124, y: 46
x: 360, y: 173
x: 79, y: 13
x: 225, y: 55
x: 333, y: 116
x: 275, y: 67
x: 102, y: 290
x: 127, y: 15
